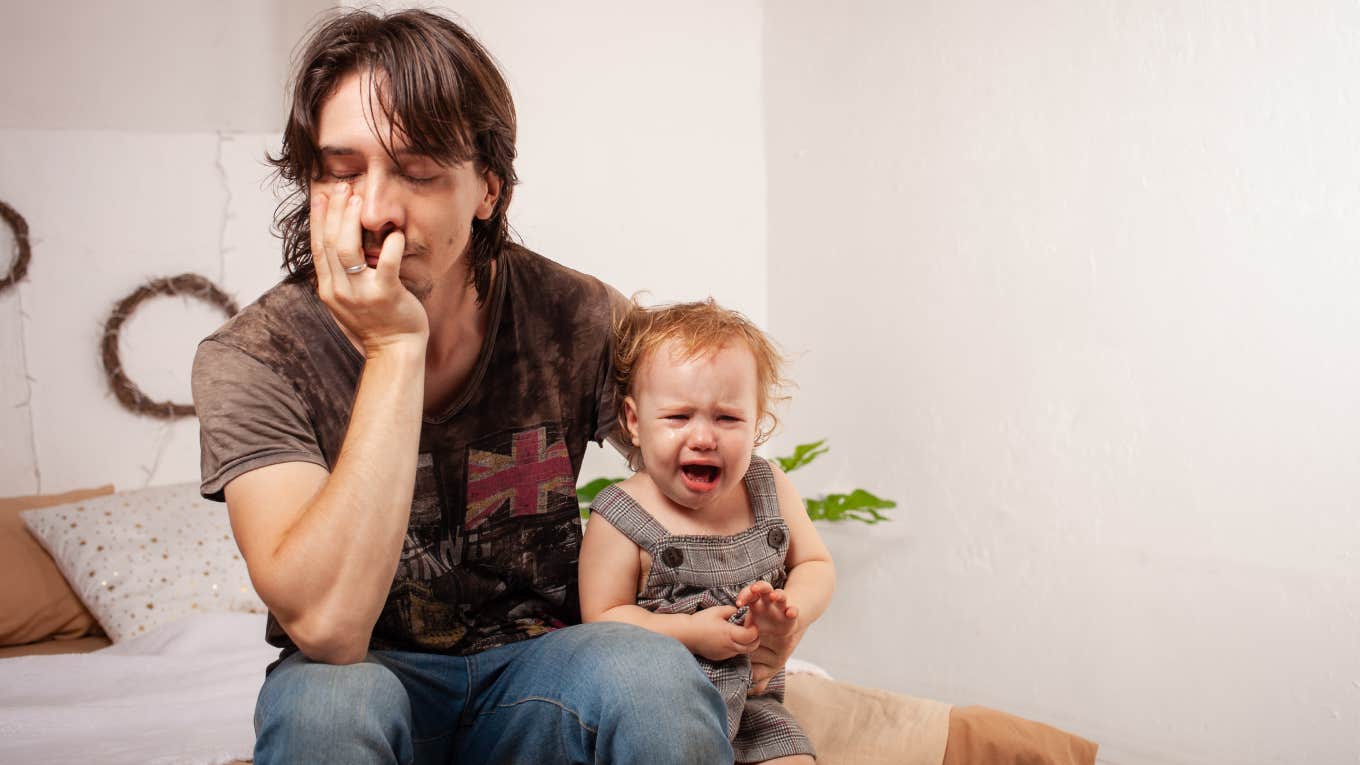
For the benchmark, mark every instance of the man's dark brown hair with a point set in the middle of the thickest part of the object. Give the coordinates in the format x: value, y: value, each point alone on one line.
x: 435, y: 84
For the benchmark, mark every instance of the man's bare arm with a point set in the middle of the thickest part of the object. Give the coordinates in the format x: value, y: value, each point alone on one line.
x: 322, y: 547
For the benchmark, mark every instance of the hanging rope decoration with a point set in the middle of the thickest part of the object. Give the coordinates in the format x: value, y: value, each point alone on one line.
x: 132, y: 397
x: 19, y: 226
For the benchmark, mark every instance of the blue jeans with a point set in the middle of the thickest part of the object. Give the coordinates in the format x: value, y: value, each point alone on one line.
x: 606, y: 693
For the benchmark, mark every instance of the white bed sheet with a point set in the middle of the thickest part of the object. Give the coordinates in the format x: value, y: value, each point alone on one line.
x: 183, y: 694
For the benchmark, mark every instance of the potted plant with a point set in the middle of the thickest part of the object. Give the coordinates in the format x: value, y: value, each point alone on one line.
x: 858, y: 505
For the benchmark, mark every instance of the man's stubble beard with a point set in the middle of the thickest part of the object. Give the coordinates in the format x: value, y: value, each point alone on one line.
x: 421, y: 289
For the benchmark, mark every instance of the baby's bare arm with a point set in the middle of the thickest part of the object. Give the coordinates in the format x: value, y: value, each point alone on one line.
x: 784, y: 618
x: 610, y: 567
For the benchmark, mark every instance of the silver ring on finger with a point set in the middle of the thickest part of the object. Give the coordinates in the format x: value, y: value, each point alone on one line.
x: 354, y: 269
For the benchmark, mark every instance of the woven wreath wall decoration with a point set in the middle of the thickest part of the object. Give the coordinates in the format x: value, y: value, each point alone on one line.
x: 132, y: 397
x: 19, y: 226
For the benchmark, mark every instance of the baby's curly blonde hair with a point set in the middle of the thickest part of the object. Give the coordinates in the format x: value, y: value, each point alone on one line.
x: 699, y: 328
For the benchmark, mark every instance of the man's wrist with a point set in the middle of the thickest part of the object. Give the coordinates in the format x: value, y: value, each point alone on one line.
x: 408, y: 349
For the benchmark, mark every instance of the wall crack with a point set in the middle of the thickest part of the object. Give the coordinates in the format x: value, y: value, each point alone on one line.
x: 222, y: 138
x: 28, y: 387
x: 166, y: 436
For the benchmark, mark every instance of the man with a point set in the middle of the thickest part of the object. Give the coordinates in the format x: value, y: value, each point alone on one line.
x: 397, y: 429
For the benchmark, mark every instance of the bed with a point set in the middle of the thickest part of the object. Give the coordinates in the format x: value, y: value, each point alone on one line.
x: 131, y: 635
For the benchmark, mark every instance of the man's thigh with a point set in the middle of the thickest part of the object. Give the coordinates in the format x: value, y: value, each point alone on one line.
x: 412, y: 701
x: 592, y: 693
x: 437, y: 687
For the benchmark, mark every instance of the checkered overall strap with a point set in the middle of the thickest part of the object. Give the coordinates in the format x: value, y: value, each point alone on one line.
x: 760, y: 487
x: 625, y: 514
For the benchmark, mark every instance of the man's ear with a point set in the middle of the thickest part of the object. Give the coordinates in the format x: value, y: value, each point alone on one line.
x: 493, y: 195
x: 630, y: 419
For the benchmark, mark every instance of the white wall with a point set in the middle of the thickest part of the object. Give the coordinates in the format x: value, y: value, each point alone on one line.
x: 1077, y: 284
x: 156, y: 66
x: 132, y: 140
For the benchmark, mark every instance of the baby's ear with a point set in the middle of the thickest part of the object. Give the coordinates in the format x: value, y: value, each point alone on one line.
x: 630, y: 419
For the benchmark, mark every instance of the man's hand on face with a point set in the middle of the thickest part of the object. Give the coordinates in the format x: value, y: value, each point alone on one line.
x: 372, y: 304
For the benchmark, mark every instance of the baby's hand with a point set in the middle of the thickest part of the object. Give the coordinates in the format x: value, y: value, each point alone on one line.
x: 715, y: 638
x: 773, y: 615
x: 776, y: 621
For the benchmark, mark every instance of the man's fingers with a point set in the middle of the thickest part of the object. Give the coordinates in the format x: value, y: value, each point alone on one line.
x: 335, y: 213
x: 330, y: 238
x: 317, y: 221
x: 349, y: 248
x: 389, y: 259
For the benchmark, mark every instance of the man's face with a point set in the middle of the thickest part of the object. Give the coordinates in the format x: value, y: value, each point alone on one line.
x: 432, y: 204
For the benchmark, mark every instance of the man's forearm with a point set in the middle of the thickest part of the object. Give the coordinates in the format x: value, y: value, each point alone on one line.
x: 338, y: 560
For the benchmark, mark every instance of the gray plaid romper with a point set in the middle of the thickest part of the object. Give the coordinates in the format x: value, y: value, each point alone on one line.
x: 692, y: 572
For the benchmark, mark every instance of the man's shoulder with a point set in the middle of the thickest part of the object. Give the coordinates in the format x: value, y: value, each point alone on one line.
x: 530, y: 266
x: 275, y: 326
x: 557, y: 289
x: 283, y: 305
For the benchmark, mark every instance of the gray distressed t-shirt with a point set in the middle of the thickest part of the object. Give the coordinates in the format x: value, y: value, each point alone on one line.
x: 491, y: 547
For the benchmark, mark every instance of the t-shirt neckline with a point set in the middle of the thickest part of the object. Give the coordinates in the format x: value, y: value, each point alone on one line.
x: 498, y: 291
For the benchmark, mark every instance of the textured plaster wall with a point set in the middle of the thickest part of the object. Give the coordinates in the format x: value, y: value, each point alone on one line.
x: 1076, y: 283
x: 108, y: 211
x: 132, y: 140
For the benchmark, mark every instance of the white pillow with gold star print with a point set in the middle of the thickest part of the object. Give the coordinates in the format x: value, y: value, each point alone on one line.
x: 141, y: 559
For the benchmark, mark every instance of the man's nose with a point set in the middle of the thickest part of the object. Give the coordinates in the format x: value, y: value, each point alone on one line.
x: 382, y: 202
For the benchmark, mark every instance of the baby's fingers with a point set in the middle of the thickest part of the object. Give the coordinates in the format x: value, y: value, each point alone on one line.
x: 754, y: 592
x: 779, y: 600
x: 744, y: 638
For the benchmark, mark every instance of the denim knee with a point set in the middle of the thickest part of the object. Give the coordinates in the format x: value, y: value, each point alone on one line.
x: 314, y: 712
x: 657, y: 692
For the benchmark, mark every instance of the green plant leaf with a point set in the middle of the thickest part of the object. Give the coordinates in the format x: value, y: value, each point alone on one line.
x: 858, y: 505
x: 803, y: 454
x: 586, y: 493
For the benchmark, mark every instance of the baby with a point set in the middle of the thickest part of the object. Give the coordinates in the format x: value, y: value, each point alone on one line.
x: 706, y: 542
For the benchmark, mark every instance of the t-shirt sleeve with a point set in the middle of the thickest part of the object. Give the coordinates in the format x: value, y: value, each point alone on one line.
x: 248, y: 417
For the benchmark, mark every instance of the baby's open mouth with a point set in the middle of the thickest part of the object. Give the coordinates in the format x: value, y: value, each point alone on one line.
x: 701, y: 474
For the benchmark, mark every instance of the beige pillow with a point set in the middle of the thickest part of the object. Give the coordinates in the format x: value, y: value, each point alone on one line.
x: 36, y: 602
x: 853, y: 725
x: 140, y: 559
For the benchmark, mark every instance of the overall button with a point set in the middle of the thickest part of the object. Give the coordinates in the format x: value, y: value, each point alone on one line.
x: 776, y: 537
x: 673, y: 557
